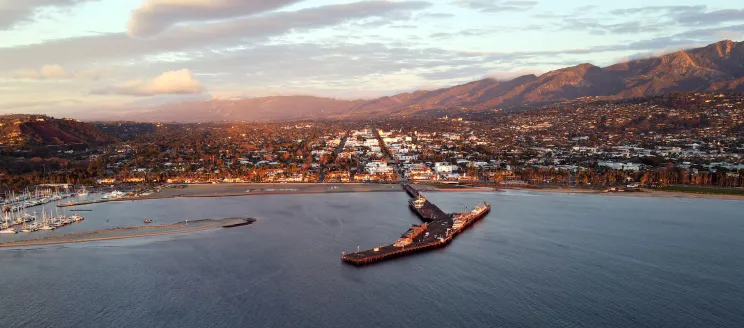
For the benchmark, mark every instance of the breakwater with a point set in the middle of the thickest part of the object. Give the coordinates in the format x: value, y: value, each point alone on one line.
x: 132, y: 232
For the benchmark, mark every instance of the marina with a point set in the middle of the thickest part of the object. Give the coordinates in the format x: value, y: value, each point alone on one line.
x: 17, y: 203
x: 438, y: 230
x: 18, y: 222
x: 17, y: 218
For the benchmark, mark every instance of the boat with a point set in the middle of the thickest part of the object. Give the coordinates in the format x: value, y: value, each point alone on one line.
x: 45, y: 224
x: 148, y: 221
x: 28, y: 228
x: 113, y: 195
x: 6, y: 224
x: 6, y: 227
x: 25, y: 227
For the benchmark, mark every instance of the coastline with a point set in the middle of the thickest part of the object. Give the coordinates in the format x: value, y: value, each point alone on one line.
x: 581, y: 191
x: 643, y: 193
x: 255, y: 189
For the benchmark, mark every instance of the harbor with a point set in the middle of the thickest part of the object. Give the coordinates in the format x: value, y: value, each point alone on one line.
x: 437, y: 230
x: 39, y: 196
x: 15, y: 222
x: 25, y: 213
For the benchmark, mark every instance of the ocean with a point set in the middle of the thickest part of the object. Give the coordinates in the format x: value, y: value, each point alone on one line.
x: 537, y: 260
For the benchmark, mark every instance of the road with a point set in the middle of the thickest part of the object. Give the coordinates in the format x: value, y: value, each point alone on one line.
x: 338, y: 149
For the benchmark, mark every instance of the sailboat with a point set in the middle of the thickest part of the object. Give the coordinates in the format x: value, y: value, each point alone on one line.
x: 45, y: 225
x: 25, y: 227
x: 34, y: 226
x: 6, y: 228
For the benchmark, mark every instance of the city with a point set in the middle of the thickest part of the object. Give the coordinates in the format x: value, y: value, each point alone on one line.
x: 371, y: 163
x: 682, y: 139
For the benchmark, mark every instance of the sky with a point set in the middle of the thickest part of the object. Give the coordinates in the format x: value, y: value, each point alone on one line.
x: 72, y: 57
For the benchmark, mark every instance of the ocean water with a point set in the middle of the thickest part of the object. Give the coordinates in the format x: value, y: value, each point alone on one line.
x: 538, y: 260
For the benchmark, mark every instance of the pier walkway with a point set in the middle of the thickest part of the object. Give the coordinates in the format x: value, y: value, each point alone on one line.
x: 437, y: 231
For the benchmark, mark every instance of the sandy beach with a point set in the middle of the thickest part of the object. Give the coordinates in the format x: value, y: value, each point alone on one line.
x: 248, y: 189
x: 643, y: 193
x: 254, y: 189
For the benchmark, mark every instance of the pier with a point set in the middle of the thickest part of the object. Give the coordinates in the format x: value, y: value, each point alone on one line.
x: 438, y: 230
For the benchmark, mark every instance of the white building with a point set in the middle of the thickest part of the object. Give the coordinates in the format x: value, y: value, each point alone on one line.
x: 443, y: 167
x: 378, y: 168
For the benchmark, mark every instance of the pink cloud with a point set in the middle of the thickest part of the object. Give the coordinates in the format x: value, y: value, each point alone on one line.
x: 173, y: 82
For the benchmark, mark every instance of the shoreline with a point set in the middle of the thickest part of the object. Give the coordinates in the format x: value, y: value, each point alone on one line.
x: 581, y: 191
x: 259, y: 189
x: 251, y: 189
x: 130, y: 232
x: 645, y: 193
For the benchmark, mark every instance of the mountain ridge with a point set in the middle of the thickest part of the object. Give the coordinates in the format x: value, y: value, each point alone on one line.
x: 716, y: 67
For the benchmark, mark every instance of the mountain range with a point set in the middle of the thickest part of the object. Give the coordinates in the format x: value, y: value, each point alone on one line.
x: 716, y: 67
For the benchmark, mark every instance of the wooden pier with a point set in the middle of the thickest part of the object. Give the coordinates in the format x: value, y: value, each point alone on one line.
x: 438, y: 232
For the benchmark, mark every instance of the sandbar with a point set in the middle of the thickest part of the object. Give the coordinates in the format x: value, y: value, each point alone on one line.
x: 132, y: 232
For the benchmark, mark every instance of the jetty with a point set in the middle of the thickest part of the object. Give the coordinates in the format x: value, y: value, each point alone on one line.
x: 438, y: 230
x: 81, y: 203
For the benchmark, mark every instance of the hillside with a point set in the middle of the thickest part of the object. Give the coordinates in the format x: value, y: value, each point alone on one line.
x: 714, y: 68
x: 44, y: 130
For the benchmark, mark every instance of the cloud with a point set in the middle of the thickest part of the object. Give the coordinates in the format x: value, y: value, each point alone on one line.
x: 155, y: 16
x: 686, y: 15
x: 711, y: 18
x: 47, y: 72
x: 174, y: 82
x: 495, y: 6
x: 337, y: 65
x: 57, y: 72
x: 435, y: 15
x: 230, y: 33
x: 655, y: 53
x: 14, y: 12
x: 664, y: 10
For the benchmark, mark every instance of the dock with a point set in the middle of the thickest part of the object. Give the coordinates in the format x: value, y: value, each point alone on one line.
x: 81, y: 203
x: 438, y: 230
